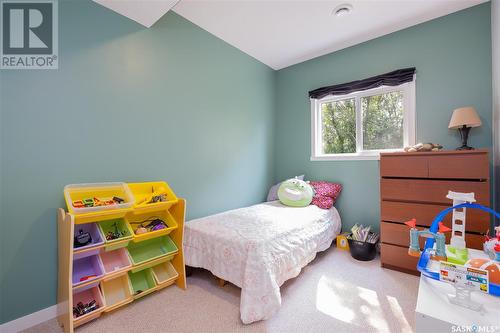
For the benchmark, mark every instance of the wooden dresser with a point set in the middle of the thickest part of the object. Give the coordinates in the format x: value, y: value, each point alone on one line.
x: 415, y: 185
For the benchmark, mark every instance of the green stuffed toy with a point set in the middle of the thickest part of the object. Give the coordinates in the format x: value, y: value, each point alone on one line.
x: 295, y: 193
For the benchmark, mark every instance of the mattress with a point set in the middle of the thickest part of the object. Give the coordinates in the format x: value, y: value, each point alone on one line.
x: 258, y: 248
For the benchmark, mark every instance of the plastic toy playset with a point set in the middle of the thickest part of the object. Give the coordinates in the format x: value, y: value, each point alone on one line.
x: 117, y: 242
x: 468, y: 270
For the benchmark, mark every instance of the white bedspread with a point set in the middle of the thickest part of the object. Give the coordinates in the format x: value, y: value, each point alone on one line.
x: 258, y: 248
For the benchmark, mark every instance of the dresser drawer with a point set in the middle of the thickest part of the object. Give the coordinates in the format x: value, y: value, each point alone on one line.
x: 397, y: 257
x: 399, y: 234
x: 404, y: 166
x: 464, y: 166
x: 394, y: 211
x: 396, y: 234
x: 431, y: 191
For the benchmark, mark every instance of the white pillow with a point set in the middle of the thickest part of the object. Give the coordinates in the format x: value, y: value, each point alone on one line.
x: 273, y: 191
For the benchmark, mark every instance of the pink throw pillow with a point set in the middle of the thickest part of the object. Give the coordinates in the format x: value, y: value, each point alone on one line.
x: 322, y: 201
x: 327, y: 189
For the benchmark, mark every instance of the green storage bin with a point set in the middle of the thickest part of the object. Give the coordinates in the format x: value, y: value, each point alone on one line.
x: 151, y: 249
x: 142, y: 282
x: 123, y: 227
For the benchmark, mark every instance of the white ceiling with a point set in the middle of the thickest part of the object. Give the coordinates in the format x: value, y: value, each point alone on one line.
x: 145, y: 12
x: 281, y: 33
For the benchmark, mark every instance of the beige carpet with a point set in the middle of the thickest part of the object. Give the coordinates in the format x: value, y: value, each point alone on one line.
x: 335, y: 293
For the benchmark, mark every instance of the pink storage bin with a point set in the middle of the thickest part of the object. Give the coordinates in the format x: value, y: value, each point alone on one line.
x: 115, y: 261
x: 86, y: 295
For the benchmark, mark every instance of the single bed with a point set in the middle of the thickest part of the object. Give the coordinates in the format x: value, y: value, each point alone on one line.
x: 258, y: 248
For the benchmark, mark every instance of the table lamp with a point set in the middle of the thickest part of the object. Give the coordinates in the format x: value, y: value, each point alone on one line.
x: 463, y: 119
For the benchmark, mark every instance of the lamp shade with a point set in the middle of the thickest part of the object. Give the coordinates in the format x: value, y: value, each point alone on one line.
x: 464, y: 116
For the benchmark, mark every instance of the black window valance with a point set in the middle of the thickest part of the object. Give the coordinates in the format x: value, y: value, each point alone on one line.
x: 394, y: 78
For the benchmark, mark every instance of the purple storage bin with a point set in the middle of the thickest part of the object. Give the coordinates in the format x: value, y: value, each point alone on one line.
x: 87, y: 266
x: 93, y: 229
x: 91, y: 252
x: 87, y: 287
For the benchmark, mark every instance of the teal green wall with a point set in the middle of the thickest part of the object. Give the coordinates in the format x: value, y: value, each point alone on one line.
x: 127, y: 104
x: 173, y: 102
x: 452, y: 55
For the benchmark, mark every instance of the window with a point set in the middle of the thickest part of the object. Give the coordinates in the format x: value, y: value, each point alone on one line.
x: 362, y: 124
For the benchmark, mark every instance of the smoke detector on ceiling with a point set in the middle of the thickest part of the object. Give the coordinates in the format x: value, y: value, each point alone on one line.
x: 342, y: 10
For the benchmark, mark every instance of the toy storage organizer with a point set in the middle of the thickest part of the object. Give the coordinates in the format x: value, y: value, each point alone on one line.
x: 117, y: 265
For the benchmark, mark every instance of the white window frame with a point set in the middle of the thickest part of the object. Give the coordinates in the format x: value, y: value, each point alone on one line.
x: 409, y: 124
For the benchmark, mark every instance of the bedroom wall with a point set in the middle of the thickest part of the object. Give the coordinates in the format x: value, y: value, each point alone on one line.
x: 452, y: 55
x: 127, y: 103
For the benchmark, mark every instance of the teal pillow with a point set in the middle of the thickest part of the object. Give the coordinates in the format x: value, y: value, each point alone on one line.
x: 295, y: 193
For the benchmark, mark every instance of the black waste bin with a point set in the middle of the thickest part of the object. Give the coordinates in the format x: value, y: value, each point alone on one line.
x: 363, y: 251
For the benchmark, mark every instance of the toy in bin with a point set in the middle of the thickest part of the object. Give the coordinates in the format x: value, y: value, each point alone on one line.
x: 82, y: 239
x: 115, y: 233
x: 362, y: 243
x: 81, y: 309
x: 96, y: 202
x: 452, y: 263
x: 159, y: 195
x: 154, y: 224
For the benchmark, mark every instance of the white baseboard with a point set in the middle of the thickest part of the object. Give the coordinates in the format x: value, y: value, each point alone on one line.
x: 30, y: 320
